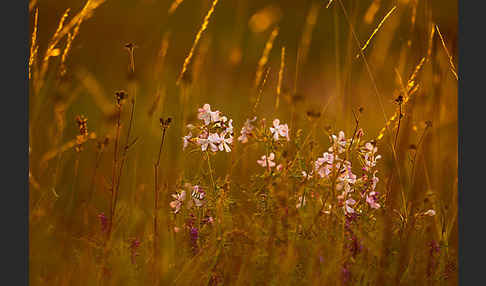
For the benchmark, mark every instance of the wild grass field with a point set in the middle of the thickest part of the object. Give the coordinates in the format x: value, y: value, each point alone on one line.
x: 234, y: 142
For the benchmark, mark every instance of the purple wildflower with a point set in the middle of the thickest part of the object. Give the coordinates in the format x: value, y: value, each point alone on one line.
x: 135, y: 243
x: 103, y: 221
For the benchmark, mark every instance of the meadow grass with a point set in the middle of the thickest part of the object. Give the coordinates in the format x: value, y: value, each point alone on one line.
x: 243, y: 143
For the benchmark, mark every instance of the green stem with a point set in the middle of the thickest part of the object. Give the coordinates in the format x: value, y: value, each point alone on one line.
x: 211, y: 172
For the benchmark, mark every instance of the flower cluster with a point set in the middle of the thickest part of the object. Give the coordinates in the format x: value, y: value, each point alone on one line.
x: 277, y: 130
x: 368, y: 152
x: 334, y: 167
x: 215, y: 133
x: 197, y: 198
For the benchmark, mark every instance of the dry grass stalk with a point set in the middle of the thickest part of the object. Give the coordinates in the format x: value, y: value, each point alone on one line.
x: 204, y: 26
x: 34, y: 48
x: 174, y: 6
x: 377, y: 29
x: 451, y: 62
x: 280, y: 77
x: 264, y: 58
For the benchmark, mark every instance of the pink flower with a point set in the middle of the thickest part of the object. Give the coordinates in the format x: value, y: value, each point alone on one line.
x: 207, y: 115
x: 103, y: 221
x: 347, y: 206
x: 279, y: 129
x: 347, y: 174
x: 372, y: 199
x: 374, y: 180
x: 246, y: 130
x: 177, y: 203
x: 338, y: 142
x: 369, y: 155
x: 323, y: 165
x: 264, y: 159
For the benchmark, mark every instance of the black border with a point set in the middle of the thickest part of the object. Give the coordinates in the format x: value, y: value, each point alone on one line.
x: 471, y: 111
x: 14, y: 118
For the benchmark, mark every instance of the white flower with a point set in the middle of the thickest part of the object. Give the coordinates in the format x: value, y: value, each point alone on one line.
x: 203, y: 142
x: 207, y: 115
x: 198, y: 196
x: 186, y: 140
x: 430, y: 213
x: 229, y: 128
x: 214, y: 140
x: 279, y: 129
x: 225, y: 142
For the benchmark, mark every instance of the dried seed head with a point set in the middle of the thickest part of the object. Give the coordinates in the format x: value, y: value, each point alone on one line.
x: 297, y: 97
x: 165, y: 123
x: 399, y: 100
x: 130, y: 46
x: 315, y: 114
x: 120, y: 97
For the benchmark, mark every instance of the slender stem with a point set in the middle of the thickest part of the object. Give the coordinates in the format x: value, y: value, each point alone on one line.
x: 398, y: 128
x: 415, y: 155
x: 211, y: 172
x: 97, y: 164
x: 115, y: 163
x: 124, y: 156
x: 156, y: 206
